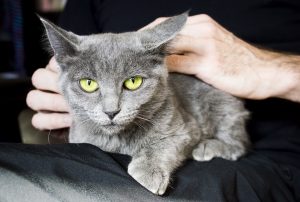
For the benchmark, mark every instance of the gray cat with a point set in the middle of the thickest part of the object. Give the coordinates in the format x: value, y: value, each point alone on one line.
x: 123, y: 100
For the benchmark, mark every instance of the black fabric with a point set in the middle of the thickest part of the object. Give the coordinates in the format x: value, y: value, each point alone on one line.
x: 270, y: 23
x: 81, y: 172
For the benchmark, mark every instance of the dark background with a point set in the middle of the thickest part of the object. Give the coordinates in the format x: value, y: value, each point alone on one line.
x: 15, y: 83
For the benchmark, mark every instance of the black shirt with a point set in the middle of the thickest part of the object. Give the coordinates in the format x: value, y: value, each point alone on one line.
x: 270, y: 23
x: 275, y: 24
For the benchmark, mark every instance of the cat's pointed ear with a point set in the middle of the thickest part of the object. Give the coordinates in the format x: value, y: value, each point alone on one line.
x: 163, y: 32
x: 63, y: 43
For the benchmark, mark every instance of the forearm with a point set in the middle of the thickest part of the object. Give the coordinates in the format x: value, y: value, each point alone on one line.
x: 281, y: 74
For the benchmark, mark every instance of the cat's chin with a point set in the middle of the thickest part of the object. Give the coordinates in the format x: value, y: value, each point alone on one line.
x: 112, y: 129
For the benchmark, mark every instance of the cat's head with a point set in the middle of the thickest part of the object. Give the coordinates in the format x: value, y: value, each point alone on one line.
x: 112, y: 81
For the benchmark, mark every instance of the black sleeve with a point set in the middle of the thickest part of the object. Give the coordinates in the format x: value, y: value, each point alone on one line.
x: 79, y: 16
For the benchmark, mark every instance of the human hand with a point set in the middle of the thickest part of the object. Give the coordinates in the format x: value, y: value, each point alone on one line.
x: 52, y: 109
x: 213, y: 54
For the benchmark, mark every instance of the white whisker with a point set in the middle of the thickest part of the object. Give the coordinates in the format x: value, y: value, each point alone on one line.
x: 146, y: 120
x: 140, y: 126
x: 49, y: 136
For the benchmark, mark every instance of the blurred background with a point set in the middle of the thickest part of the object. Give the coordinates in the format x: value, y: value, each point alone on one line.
x: 21, y: 53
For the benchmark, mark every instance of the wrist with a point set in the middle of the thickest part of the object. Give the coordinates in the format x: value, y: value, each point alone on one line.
x: 288, y: 79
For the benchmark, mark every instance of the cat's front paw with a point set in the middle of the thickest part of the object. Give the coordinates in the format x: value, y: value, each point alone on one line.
x: 151, y: 177
x: 208, y: 149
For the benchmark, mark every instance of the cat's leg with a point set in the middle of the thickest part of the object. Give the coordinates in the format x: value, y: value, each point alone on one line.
x: 152, y: 167
x: 210, y: 148
x: 230, y: 141
x: 150, y: 174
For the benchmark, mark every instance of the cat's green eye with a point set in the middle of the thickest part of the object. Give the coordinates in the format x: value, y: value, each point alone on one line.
x: 88, y: 85
x: 133, y: 83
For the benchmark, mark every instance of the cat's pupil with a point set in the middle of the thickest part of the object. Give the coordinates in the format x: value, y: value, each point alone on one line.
x: 132, y: 79
x: 89, y: 82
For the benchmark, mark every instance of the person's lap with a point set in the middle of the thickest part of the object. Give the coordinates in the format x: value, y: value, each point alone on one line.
x: 82, y: 172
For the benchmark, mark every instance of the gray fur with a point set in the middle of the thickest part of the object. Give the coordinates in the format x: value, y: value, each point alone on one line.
x: 170, y: 118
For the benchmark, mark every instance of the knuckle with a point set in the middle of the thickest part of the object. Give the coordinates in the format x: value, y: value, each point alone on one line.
x: 205, y: 17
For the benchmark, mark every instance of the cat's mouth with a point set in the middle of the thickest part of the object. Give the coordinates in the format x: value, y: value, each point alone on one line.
x: 112, y: 128
x: 111, y: 124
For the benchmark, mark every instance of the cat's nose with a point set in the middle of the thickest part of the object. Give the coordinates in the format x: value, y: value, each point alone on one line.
x: 112, y: 114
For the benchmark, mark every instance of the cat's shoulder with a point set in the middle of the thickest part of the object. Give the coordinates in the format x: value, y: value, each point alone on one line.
x: 183, y: 82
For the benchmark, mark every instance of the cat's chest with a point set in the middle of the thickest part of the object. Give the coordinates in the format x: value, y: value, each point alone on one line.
x: 123, y: 143
x: 115, y: 144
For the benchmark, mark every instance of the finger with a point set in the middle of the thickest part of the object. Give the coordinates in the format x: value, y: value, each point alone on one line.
x: 182, y: 64
x: 188, y: 44
x: 53, y: 65
x: 39, y: 100
x: 45, y: 79
x: 51, y: 121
